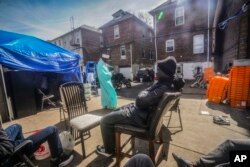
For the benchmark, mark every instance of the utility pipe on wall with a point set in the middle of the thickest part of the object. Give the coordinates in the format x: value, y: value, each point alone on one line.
x: 208, y: 32
x: 156, y: 53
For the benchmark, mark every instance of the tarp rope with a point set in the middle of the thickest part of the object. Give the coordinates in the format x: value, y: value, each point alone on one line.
x: 223, y: 25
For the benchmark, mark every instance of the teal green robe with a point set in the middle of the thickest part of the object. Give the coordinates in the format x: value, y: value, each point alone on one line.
x: 108, y: 93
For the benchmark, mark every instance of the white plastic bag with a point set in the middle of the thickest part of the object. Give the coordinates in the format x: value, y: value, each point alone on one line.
x: 42, y: 152
x: 68, y: 141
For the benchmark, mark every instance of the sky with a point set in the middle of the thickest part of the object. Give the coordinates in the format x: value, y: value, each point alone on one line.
x: 48, y: 19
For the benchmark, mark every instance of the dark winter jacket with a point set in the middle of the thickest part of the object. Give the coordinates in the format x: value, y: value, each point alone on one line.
x: 6, y: 145
x: 148, y: 99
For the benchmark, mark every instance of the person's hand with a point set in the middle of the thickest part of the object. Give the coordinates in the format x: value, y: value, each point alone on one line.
x: 143, y: 94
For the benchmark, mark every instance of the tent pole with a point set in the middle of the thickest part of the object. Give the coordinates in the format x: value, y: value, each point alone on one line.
x: 10, y: 112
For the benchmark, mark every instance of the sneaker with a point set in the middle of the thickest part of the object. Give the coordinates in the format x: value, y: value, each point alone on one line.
x: 181, y: 162
x: 101, y: 151
x: 63, y: 160
x: 221, y: 120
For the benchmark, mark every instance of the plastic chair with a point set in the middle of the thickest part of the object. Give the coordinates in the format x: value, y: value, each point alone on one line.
x: 76, y: 107
x: 18, y: 156
x: 45, y: 98
x: 168, y: 101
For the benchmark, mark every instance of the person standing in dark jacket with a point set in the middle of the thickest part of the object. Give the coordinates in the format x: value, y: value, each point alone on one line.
x: 138, y: 114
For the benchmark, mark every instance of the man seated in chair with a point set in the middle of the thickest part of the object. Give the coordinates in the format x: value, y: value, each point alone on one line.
x: 13, y: 136
x: 146, y: 102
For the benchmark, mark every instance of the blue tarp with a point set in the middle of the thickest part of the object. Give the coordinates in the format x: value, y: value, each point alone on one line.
x: 29, y: 53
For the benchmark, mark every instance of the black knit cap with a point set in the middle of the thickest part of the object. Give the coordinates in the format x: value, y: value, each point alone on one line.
x: 168, y: 65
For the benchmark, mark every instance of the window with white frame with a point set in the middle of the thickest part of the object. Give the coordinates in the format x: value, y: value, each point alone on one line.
x: 123, y: 52
x: 116, y: 32
x: 179, y: 16
x: 198, y: 44
x: 170, y: 45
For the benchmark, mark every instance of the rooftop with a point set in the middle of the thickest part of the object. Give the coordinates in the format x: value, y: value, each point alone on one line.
x: 86, y: 27
x: 120, y: 16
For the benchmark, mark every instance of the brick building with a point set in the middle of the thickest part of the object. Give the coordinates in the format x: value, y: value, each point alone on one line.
x: 182, y: 32
x: 232, y: 42
x: 84, y: 40
x: 129, y: 42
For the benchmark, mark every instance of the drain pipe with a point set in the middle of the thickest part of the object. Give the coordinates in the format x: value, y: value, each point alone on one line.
x: 208, y: 32
x: 215, y: 31
x: 156, y: 53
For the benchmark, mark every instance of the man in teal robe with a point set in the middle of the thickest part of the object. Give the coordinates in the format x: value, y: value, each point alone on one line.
x: 108, y: 94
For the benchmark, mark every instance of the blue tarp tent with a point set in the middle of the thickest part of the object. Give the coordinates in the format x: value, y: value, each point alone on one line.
x: 30, y: 60
x: 24, y: 52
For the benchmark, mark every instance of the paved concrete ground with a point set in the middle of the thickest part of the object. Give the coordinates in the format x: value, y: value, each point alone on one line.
x: 199, y: 136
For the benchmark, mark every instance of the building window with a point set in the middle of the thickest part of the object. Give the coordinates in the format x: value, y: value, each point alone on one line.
x: 55, y: 43
x: 143, y: 54
x: 59, y: 42
x: 116, y: 32
x: 198, y: 44
x: 109, y: 53
x: 151, y: 54
x: 123, y: 52
x: 151, y: 37
x: 179, y: 16
x: 170, y: 45
x: 101, y: 41
x: 64, y: 43
x: 77, y: 41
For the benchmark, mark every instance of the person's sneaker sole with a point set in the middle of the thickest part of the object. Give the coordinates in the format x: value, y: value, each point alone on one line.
x: 98, y: 151
x: 67, y: 161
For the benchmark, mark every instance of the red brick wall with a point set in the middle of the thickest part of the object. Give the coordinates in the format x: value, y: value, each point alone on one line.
x: 195, y: 12
x: 183, y: 51
x: 116, y: 56
x: 143, y: 39
x: 91, y: 45
x: 126, y: 33
x: 131, y: 32
x: 236, y: 34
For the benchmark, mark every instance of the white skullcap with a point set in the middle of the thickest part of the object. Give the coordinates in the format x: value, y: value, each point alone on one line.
x: 105, y: 56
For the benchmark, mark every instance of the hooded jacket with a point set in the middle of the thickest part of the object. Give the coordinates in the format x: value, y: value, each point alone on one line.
x: 148, y: 99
